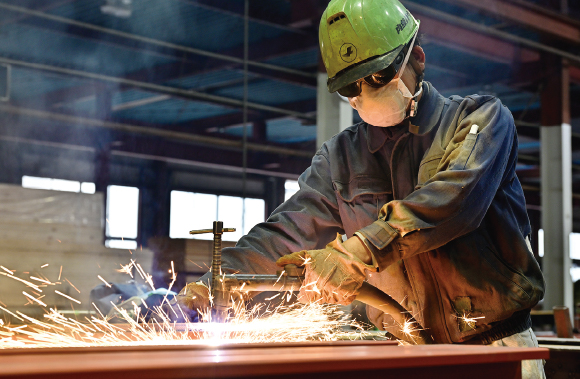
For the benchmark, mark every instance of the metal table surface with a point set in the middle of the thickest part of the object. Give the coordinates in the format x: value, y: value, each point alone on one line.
x: 305, y: 360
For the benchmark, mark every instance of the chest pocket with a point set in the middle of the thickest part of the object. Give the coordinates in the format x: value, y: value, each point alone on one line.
x: 427, y: 169
x: 360, y: 201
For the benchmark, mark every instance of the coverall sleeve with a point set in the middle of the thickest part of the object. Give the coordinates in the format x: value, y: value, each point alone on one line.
x: 454, y: 201
x: 306, y: 221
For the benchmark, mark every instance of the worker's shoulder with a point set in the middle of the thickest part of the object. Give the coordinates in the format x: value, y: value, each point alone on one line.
x: 471, y: 103
x: 344, y: 141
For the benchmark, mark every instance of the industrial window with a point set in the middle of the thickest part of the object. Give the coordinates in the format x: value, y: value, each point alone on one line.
x: 192, y: 211
x: 122, y: 217
x: 52, y: 184
x: 290, y: 188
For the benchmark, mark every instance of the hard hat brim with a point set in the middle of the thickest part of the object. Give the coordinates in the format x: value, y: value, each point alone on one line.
x: 363, y: 69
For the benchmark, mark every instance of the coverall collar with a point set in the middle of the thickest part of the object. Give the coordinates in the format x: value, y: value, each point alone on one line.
x: 378, y: 136
x: 428, y: 115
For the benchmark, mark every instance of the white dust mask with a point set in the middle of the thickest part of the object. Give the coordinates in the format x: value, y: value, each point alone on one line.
x: 385, y: 106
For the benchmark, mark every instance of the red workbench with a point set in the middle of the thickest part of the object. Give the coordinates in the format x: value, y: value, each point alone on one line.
x: 304, y: 360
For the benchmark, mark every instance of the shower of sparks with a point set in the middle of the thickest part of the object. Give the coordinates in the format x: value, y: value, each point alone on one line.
x: 8, y: 271
x: 286, y: 322
x: 291, y: 323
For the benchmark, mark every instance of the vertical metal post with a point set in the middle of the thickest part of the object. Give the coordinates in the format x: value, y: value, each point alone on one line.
x: 556, y: 179
x: 333, y: 114
x: 245, y: 109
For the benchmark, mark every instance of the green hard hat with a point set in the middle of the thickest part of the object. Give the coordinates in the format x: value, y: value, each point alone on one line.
x: 360, y: 37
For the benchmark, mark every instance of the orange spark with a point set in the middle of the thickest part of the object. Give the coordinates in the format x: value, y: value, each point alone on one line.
x: 40, y: 280
x: 73, y: 286
x: 33, y: 299
x: 23, y: 281
x: 273, y: 297
x: 127, y: 269
x: 7, y: 311
x: 104, y: 281
x: 193, y: 263
x: 67, y: 296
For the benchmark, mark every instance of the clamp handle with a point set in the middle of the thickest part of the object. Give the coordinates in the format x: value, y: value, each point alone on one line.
x: 215, y: 230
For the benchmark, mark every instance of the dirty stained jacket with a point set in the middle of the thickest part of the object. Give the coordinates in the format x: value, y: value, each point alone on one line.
x: 441, y: 207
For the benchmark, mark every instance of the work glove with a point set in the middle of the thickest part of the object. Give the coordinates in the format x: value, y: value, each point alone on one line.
x: 333, y: 274
x: 190, y: 303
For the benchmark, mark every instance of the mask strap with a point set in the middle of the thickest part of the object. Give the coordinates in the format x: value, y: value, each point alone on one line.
x: 404, y: 65
x: 414, y: 103
x: 418, y: 88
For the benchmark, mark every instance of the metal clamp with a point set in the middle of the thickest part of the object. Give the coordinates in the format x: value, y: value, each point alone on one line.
x: 220, y: 298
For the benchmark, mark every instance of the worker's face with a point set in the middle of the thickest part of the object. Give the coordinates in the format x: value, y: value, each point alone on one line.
x: 388, y: 105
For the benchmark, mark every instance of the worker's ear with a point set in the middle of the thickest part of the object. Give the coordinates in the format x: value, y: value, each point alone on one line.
x: 419, y: 56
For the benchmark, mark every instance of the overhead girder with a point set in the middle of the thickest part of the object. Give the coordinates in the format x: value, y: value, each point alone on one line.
x: 187, y: 64
x: 440, y: 32
x: 528, y: 15
x: 223, y: 143
x: 80, y: 134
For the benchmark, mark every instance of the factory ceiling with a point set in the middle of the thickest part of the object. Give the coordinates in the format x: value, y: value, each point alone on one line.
x: 164, y: 80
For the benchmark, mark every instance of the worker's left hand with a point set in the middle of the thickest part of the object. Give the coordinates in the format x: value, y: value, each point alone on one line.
x: 333, y: 274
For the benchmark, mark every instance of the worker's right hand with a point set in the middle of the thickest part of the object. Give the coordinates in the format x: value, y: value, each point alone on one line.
x: 333, y: 274
x: 191, y: 303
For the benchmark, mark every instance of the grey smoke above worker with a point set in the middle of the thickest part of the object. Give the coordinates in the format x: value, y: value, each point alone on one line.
x: 424, y: 189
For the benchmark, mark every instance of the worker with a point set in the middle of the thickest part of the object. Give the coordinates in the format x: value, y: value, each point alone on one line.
x: 424, y: 190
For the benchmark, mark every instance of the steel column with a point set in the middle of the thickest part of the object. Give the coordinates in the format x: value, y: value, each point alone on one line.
x: 333, y: 114
x: 556, y: 179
